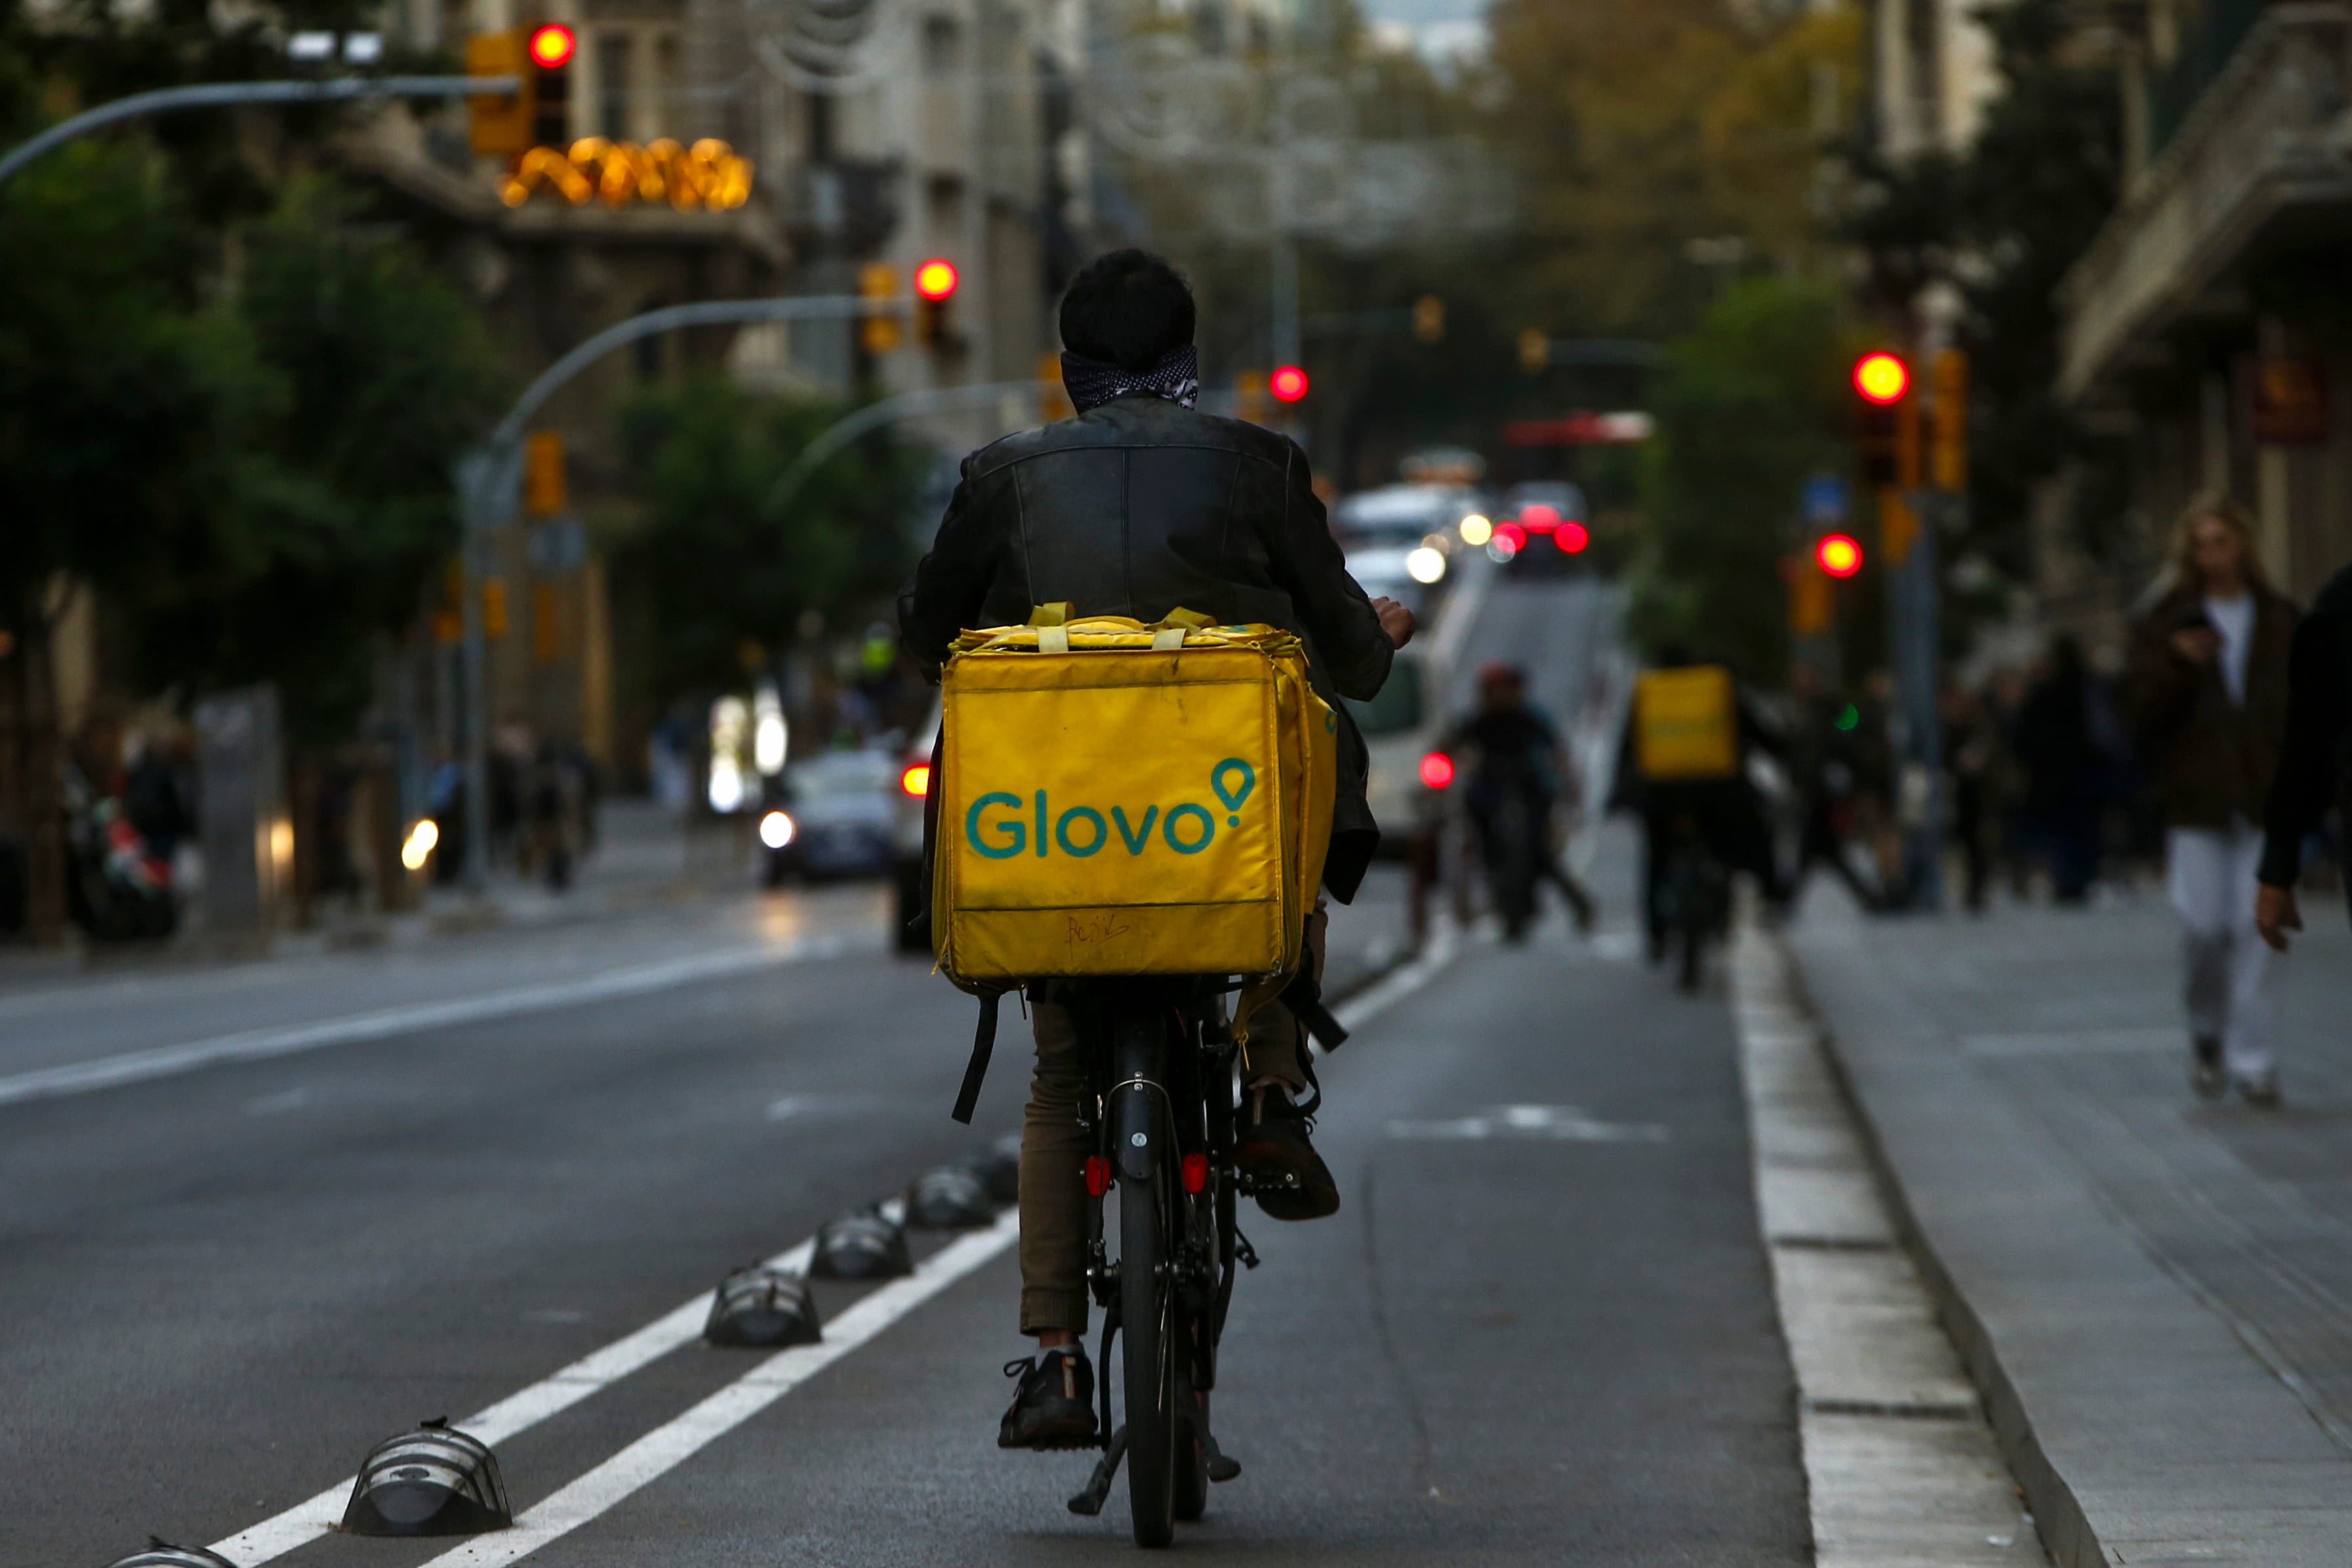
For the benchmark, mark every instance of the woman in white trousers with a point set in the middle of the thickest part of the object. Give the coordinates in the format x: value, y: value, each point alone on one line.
x: 2208, y: 690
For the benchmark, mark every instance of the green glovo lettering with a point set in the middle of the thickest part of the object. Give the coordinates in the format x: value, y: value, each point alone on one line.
x: 1135, y: 837
x: 1080, y: 814
x: 1177, y: 814
x: 1015, y: 838
x: 1041, y: 824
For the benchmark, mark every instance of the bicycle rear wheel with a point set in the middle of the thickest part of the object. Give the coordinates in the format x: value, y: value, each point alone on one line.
x: 1147, y: 1340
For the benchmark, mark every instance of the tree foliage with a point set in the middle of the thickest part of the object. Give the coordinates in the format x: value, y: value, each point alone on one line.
x: 226, y: 399
x: 719, y: 566
x: 1751, y: 405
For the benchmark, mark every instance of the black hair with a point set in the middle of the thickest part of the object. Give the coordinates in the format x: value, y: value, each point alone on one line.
x: 1128, y: 308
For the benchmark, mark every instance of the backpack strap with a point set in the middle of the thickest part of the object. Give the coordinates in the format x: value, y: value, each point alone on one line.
x: 983, y: 1046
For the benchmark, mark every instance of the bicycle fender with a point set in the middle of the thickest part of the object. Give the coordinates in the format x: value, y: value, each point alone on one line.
x: 1135, y: 1133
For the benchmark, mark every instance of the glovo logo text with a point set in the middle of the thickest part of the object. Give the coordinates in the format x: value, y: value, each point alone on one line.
x: 1000, y: 825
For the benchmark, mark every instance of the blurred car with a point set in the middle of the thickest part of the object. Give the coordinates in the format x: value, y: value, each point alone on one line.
x: 1401, y: 727
x: 913, y: 791
x: 831, y: 816
x: 1401, y: 516
x: 1541, y: 529
x: 1413, y: 577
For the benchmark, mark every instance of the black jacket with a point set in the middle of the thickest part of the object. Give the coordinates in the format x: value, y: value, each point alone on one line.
x: 1141, y: 507
x: 2315, y: 766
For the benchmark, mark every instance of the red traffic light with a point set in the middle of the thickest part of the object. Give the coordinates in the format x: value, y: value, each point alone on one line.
x: 1881, y: 378
x: 1437, y: 770
x: 551, y: 46
x: 936, y: 279
x: 1571, y: 538
x: 1288, y: 384
x: 1839, y: 554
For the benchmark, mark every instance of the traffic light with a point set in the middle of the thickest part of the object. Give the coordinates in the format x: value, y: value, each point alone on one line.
x: 1429, y: 319
x: 1839, y: 555
x: 542, y: 474
x: 1887, y: 421
x: 935, y: 287
x: 879, y: 331
x: 500, y: 124
x: 1288, y: 384
x: 1949, y: 465
x: 549, y: 48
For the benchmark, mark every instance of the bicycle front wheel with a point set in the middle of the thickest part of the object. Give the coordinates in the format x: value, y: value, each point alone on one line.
x: 1148, y: 1338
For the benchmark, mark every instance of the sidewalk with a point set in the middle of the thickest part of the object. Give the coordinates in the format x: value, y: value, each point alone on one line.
x: 2154, y: 1292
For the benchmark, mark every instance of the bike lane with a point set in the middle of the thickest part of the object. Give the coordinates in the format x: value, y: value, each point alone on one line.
x: 1541, y: 1327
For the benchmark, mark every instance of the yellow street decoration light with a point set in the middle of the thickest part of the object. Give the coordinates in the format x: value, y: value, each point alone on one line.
x: 709, y: 175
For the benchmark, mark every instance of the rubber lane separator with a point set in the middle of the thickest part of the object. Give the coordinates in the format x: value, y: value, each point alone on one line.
x: 308, y: 1521
x: 255, y: 1045
x: 667, y: 1447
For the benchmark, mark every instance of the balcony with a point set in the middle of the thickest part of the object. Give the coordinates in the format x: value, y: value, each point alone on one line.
x: 2266, y: 145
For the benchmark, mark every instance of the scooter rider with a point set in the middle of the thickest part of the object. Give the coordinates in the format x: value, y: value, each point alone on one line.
x: 1137, y: 507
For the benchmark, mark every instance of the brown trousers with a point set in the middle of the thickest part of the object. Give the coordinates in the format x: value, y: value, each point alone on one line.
x: 1054, y: 1149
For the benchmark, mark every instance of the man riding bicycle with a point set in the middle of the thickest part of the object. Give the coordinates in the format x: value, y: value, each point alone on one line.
x: 1518, y: 771
x: 1137, y: 507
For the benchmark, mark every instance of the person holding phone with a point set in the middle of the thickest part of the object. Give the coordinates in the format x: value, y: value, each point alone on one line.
x: 2207, y: 690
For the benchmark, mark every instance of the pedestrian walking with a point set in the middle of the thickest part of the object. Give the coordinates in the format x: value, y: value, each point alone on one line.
x: 2314, y: 768
x: 2066, y: 770
x: 2207, y: 696
x: 1821, y: 770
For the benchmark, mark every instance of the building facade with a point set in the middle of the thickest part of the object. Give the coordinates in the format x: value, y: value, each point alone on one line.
x: 2208, y: 322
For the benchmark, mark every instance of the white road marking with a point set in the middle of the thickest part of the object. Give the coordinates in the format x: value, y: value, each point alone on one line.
x: 256, y: 1045
x: 670, y: 1446
x: 308, y: 1521
x: 1561, y: 1123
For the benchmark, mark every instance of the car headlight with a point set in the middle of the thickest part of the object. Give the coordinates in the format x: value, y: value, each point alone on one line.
x: 775, y: 829
x: 1425, y: 565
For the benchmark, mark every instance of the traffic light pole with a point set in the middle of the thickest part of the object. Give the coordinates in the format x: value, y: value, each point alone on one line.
x: 229, y: 94
x: 1915, y: 609
x: 889, y: 411
x: 489, y: 494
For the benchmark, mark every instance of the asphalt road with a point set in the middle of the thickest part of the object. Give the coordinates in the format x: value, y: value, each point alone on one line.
x: 1540, y: 1329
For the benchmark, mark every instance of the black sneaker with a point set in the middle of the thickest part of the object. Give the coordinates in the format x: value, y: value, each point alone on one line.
x: 2205, y: 1074
x: 1278, y: 1165
x: 1055, y: 1405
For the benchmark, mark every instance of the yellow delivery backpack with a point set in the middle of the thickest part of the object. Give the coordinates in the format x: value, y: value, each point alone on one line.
x: 1685, y: 725
x: 1118, y: 799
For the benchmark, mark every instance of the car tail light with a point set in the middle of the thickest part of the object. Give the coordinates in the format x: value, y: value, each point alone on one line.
x: 1437, y: 770
x: 1510, y: 539
x: 1098, y: 1176
x: 1537, y: 518
x: 1571, y: 538
x: 917, y: 780
x: 1196, y: 1173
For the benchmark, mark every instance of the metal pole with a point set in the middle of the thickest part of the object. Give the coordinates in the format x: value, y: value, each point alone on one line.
x: 1284, y: 280
x: 217, y: 95
x: 490, y: 493
x: 873, y: 416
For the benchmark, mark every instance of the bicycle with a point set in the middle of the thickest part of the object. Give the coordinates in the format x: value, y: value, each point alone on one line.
x: 1693, y: 900
x: 1166, y: 1102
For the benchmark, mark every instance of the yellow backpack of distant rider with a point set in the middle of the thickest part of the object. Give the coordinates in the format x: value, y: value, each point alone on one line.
x: 1685, y: 725
x: 1118, y: 799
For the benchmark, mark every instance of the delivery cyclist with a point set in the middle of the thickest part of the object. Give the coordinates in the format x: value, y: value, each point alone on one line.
x: 1137, y: 507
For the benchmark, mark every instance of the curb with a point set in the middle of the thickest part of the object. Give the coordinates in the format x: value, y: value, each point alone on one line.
x: 2066, y: 1532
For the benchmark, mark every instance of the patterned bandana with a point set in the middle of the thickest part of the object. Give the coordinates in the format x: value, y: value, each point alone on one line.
x: 1091, y: 382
